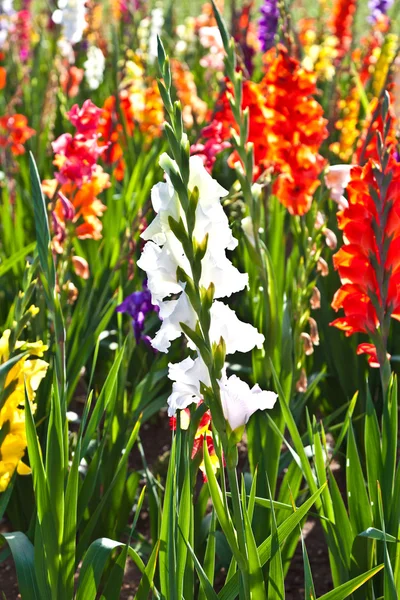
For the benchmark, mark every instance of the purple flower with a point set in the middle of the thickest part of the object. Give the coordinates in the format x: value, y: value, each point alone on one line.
x: 137, y: 305
x: 268, y: 24
x: 378, y: 8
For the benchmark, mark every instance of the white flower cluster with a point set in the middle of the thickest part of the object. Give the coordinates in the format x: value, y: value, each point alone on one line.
x: 71, y: 15
x: 94, y: 67
x: 162, y: 255
x: 6, y: 13
x: 148, y: 31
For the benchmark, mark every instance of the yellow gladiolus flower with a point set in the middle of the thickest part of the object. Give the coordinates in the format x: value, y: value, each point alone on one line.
x: 29, y: 371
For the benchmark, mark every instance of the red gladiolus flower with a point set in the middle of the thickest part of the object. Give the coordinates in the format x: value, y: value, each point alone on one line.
x: 369, y: 261
x: 85, y: 119
x: 203, y: 433
x: 342, y: 23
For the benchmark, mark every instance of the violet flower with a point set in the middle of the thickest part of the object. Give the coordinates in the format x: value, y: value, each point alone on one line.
x: 268, y: 24
x: 138, y: 305
x: 378, y: 8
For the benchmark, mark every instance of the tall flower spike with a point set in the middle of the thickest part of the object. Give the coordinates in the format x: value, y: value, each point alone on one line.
x: 368, y: 262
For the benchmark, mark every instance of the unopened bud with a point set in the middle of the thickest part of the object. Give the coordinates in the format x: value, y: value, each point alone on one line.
x: 81, y: 267
x: 322, y: 267
x: 302, y: 383
x: 72, y: 292
x: 330, y: 238
x: 314, y: 335
x: 307, y: 343
x: 319, y: 220
x: 315, y: 300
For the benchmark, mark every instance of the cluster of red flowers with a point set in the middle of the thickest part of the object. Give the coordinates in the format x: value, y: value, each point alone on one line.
x: 367, y: 145
x: 342, y: 24
x: 79, y: 179
x: 203, y: 434
x: 14, y: 132
x: 368, y: 263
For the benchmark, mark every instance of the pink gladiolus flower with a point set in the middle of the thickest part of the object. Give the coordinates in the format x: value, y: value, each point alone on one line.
x: 85, y: 119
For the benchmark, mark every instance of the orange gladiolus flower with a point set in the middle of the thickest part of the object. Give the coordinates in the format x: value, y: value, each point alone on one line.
x: 253, y: 99
x: 3, y: 78
x: 194, y: 109
x: 296, y: 130
x: 369, y: 261
x: 286, y: 127
x: 14, y: 132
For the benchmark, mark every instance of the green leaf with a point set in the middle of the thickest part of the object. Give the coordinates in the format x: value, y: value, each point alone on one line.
x: 41, y: 223
x: 87, y: 532
x: 388, y: 578
x: 23, y: 555
x: 167, y: 533
x: 220, y: 508
x: 276, y: 583
x: 359, y: 505
x: 209, y: 557
x: 102, y: 401
x: 45, y: 509
x: 309, y: 590
x: 229, y: 591
x: 346, y: 589
x: 184, y: 515
x: 93, y: 566
x: 377, y: 534
x: 205, y: 583
x: 146, y: 583
x: 9, y: 263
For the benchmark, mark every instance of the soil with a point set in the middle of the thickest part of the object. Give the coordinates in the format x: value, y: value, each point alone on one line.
x: 156, y: 440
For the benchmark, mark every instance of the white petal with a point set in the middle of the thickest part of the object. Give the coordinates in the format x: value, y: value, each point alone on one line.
x: 219, y: 270
x: 160, y: 267
x: 238, y: 336
x: 209, y: 188
x: 239, y: 402
x: 187, y: 376
x: 173, y: 313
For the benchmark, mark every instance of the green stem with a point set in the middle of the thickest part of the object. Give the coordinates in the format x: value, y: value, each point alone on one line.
x: 238, y: 520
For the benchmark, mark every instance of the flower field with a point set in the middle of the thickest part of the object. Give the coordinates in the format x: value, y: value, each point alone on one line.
x: 199, y: 300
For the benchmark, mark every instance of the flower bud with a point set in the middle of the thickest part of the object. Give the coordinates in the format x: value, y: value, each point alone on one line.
x: 314, y: 335
x: 322, y: 267
x: 81, y: 267
x: 307, y: 343
x: 302, y: 383
x: 315, y: 300
x: 330, y: 238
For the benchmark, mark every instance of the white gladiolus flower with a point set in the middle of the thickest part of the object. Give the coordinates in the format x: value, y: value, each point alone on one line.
x: 238, y: 336
x: 162, y: 255
x: 157, y: 22
x: 186, y: 376
x: 210, y: 220
x: 72, y: 18
x: 94, y: 67
x: 160, y: 266
x: 172, y: 314
x: 239, y: 402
